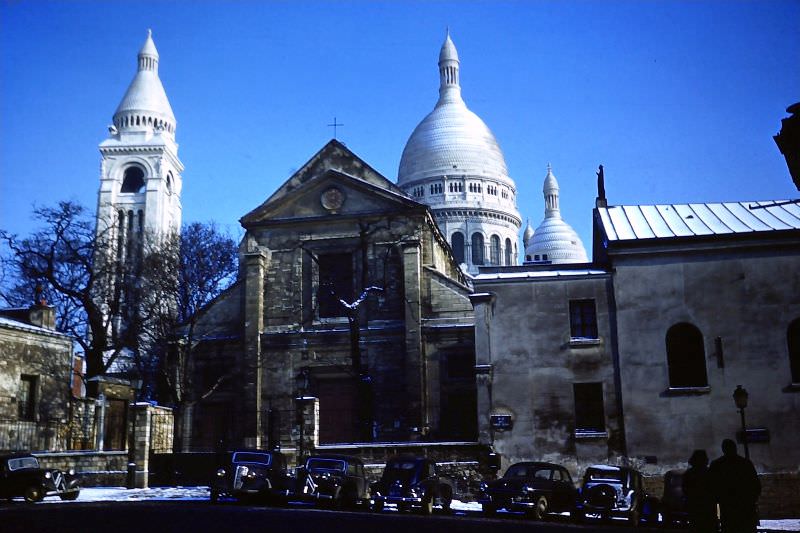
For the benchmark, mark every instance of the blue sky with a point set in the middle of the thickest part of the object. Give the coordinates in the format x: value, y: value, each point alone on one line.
x: 678, y: 100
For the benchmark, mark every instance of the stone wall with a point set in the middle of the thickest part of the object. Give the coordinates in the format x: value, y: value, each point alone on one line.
x: 95, y: 469
x: 780, y: 493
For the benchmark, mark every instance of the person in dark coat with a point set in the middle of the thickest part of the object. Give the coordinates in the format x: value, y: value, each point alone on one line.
x: 699, y: 497
x: 736, y: 488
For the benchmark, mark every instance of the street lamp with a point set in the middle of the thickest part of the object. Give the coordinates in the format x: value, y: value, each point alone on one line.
x: 301, y: 382
x: 740, y: 399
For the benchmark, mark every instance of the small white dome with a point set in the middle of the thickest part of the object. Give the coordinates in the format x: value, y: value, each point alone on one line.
x: 554, y: 240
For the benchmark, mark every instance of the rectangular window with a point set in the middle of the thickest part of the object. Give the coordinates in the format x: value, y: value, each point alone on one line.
x: 335, y: 283
x: 26, y: 398
x: 589, y: 413
x: 582, y: 319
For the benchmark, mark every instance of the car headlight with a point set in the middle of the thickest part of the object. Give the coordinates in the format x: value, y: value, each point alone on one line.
x: 71, y: 472
x: 48, y: 475
x: 221, y: 472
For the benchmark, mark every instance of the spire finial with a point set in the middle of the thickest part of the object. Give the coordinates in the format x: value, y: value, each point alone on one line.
x: 148, y: 55
x: 549, y: 168
x: 449, y: 86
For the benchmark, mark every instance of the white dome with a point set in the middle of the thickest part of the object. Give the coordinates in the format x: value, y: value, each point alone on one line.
x: 453, y: 164
x: 554, y: 240
x: 145, y: 97
x: 451, y: 140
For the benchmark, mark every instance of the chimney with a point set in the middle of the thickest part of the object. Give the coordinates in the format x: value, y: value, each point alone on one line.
x: 40, y: 314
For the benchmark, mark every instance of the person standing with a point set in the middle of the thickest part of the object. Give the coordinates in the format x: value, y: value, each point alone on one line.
x: 736, y: 488
x: 699, y: 497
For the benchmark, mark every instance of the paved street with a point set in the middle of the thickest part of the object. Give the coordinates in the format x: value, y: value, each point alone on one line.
x: 194, y: 516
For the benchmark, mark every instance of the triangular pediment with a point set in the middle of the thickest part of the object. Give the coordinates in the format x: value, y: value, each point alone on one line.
x: 333, y: 182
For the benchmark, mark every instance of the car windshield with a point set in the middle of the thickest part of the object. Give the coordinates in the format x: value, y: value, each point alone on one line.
x: 402, y: 470
x: 331, y: 465
x: 402, y: 466
x: 22, y: 462
x: 250, y: 457
x: 527, y: 471
x: 597, y: 474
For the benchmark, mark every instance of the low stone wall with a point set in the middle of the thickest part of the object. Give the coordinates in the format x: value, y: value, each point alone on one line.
x: 780, y: 493
x: 96, y: 469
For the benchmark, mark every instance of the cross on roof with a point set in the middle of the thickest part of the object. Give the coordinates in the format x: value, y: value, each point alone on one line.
x: 335, y: 126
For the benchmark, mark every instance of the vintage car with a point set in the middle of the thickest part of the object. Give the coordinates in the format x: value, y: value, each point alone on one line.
x: 252, y: 475
x: 333, y: 480
x: 410, y: 481
x: 532, y: 487
x: 611, y: 491
x: 21, y: 475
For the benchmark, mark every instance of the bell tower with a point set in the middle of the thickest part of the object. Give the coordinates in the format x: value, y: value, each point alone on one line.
x: 140, y: 173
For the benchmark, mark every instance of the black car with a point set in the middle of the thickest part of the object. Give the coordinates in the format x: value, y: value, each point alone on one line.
x: 535, y: 488
x: 335, y: 480
x: 612, y: 491
x: 253, y: 474
x: 412, y: 482
x: 21, y: 475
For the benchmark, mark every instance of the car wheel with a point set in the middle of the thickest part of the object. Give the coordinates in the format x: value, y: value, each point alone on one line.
x: 377, y: 506
x: 541, y: 508
x: 33, y: 494
x: 70, y: 496
x: 427, y: 506
x: 447, y: 500
x: 633, y: 517
x: 489, y: 509
x: 214, y: 497
x: 577, y: 515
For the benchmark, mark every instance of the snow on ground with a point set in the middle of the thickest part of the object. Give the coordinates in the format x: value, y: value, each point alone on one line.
x: 107, y: 494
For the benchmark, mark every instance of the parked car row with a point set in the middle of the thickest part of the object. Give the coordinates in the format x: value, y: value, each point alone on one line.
x: 537, y: 489
x: 339, y: 481
x: 335, y: 481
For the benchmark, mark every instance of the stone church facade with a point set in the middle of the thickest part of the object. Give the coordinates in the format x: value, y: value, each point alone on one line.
x: 350, y: 294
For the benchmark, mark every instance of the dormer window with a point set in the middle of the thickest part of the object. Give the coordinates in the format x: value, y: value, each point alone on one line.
x: 133, y: 181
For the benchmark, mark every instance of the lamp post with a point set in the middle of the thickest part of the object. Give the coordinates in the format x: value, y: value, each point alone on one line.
x: 136, y: 385
x: 740, y: 399
x: 301, y: 380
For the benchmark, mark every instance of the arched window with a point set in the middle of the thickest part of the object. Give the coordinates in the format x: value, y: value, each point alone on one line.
x: 508, y: 252
x: 495, y: 251
x: 477, y: 249
x: 793, y: 340
x: 133, y: 181
x: 169, y: 182
x: 686, y: 357
x: 457, y: 241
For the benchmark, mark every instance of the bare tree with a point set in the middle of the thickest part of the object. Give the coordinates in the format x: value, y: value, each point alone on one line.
x: 74, y: 264
x: 180, y: 279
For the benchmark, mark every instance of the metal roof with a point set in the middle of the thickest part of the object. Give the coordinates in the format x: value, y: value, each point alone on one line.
x: 635, y: 222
